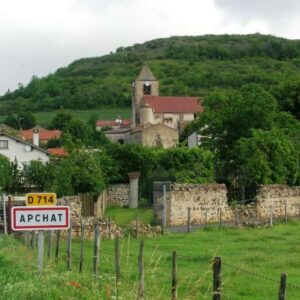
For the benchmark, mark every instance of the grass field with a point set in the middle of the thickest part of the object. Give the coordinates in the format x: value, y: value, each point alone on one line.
x: 105, y: 113
x: 123, y: 216
x: 252, y: 261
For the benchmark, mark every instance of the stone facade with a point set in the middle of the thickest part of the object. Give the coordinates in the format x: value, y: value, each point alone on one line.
x: 209, y: 204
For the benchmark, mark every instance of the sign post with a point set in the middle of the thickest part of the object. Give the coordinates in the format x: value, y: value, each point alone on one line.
x: 40, y: 214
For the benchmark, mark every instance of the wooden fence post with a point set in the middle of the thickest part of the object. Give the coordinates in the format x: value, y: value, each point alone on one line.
x: 285, y: 212
x: 141, y: 271
x: 174, y: 276
x: 40, y: 250
x: 189, y: 229
x: 109, y: 228
x: 9, y: 206
x: 220, y: 215
x: 4, y: 214
x: 96, y: 252
x: 69, y: 247
x: 271, y: 215
x: 217, y: 278
x: 49, y: 242
x: 32, y: 239
x: 254, y: 217
x: 57, y: 245
x: 117, y: 261
x: 81, y: 247
x: 282, y: 287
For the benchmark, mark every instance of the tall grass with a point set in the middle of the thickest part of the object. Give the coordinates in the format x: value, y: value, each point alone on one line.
x: 253, y: 260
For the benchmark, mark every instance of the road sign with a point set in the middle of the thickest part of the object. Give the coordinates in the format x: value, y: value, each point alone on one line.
x: 41, y: 199
x: 40, y: 218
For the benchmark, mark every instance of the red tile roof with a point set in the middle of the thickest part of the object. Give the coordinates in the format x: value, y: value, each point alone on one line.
x: 110, y: 123
x: 44, y: 134
x: 58, y: 152
x: 174, y: 104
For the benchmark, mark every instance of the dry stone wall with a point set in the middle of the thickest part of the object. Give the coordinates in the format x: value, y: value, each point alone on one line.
x: 107, y: 227
x: 209, y: 204
x: 118, y: 195
x: 281, y: 199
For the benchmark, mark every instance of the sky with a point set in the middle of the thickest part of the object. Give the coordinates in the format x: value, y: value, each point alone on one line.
x: 39, y: 36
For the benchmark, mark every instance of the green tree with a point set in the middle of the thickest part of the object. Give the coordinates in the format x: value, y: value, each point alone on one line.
x: 61, y: 120
x: 36, y: 174
x: 267, y: 157
x: 81, y: 133
x: 26, y: 120
x: 11, y: 121
x: 288, y: 96
x: 5, y: 172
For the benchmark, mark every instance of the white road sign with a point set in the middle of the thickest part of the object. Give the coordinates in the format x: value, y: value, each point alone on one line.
x: 40, y: 218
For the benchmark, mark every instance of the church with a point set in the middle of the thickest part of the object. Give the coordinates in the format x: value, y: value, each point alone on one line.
x: 156, y: 120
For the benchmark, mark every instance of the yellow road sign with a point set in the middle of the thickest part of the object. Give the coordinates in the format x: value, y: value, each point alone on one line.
x: 41, y: 199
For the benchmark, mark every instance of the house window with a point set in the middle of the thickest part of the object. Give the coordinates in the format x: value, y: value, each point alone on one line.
x: 4, y: 144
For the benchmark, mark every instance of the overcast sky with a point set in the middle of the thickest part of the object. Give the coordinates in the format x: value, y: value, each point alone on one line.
x: 39, y: 36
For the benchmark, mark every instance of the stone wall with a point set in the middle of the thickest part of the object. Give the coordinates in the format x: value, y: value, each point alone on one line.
x: 118, y: 195
x: 209, y: 204
x: 282, y: 199
x: 107, y: 227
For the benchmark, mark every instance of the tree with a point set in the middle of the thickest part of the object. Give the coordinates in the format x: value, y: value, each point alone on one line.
x: 26, y: 120
x: 80, y: 172
x: 61, y: 120
x: 288, y: 96
x: 5, y: 172
x: 36, y: 174
x: 185, y: 165
x: 267, y: 157
x: 81, y: 133
x: 11, y: 121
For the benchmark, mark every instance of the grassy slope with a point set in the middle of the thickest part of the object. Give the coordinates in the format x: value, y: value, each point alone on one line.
x: 44, y: 118
x: 266, y: 251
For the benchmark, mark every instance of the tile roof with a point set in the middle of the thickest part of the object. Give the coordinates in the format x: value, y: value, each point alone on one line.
x: 58, y: 152
x: 44, y: 134
x: 110, y: 123
x: 174, y: 104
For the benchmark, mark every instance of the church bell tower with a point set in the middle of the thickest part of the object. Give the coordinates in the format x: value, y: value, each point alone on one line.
x: 145, y: 84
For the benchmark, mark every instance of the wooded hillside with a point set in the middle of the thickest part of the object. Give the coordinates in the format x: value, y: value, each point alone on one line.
x: 184, y: 66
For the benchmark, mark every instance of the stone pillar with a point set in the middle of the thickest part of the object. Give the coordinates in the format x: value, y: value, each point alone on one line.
x: 133, y: 189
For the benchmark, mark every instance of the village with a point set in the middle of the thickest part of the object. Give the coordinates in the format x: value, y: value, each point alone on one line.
x: 149, y: 150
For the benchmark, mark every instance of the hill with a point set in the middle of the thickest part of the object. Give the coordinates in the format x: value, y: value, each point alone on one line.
x: 187, y: 65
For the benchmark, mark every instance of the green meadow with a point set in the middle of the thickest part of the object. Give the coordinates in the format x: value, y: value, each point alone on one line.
x: 105, y: 113
x: 252, y: 261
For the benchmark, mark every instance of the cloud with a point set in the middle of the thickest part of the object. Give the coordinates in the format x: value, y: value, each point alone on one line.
x: 37, y: 37
x: 269, y: 16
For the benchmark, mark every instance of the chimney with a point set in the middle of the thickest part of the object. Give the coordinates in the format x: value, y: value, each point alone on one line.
x: 36, y: 137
